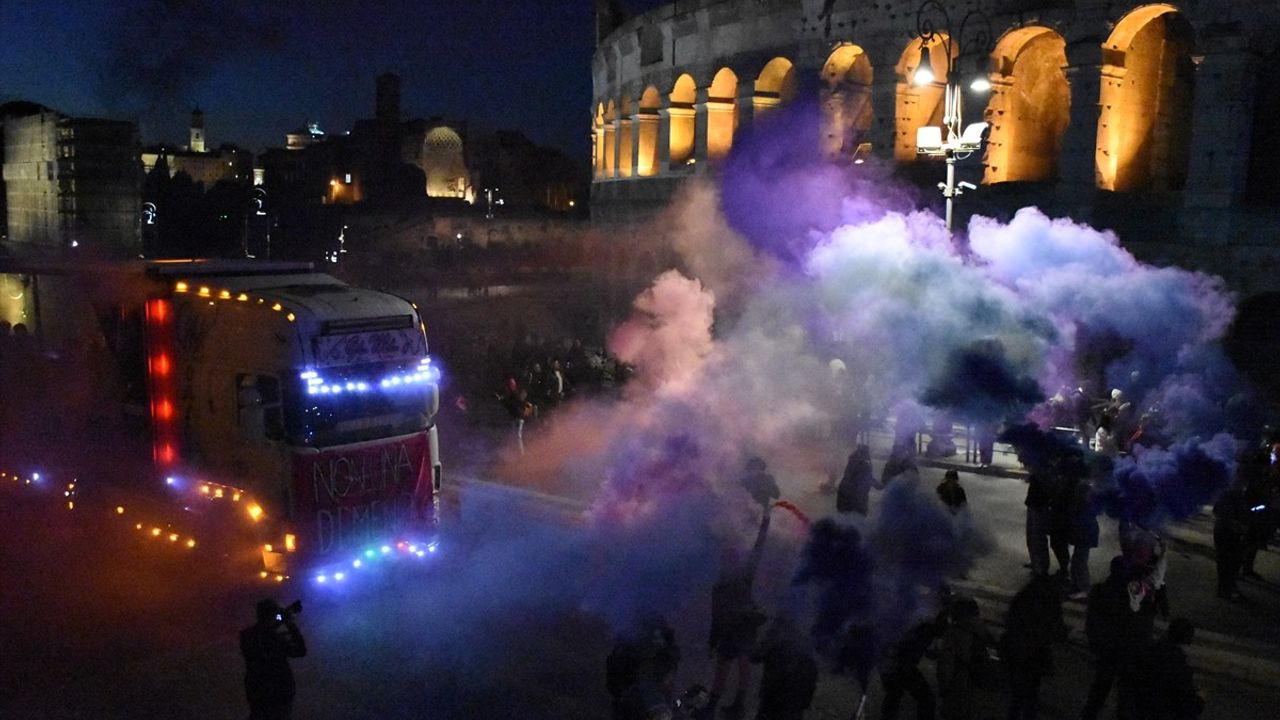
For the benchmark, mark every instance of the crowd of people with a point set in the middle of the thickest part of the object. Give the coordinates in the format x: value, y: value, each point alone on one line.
x: 540, y: 376
x: 1143, y: 673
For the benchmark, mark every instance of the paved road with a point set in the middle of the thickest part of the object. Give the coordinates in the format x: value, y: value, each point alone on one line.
x: 99, y: 626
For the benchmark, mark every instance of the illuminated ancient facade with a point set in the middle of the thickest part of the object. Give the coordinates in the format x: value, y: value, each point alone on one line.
x: 1155, y: 119
x: 71, y: 183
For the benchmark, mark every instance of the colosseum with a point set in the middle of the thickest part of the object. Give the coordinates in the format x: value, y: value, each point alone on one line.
x: 1156, y: 120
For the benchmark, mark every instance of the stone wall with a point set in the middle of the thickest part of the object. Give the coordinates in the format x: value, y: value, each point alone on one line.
x: 1147, y: 118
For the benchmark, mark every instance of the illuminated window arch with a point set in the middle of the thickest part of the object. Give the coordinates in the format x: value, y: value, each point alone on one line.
x: 1030, y: 106
x: 919, y: 106
x: 775, y: 85
x: 610, y: 139
x: 444, y: 164
x: 647, y: 133
x: 626, y: 136
x: 1144, y: 128
x: 681, y: 117
x: 597, y: 132
x: 846, y: 100
x: 722, y: 113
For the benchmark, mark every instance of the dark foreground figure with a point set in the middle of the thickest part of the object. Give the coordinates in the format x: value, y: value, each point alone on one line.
x: 268, y: 680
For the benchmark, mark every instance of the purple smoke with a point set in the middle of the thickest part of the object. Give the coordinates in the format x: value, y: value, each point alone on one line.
x: 782, y: 195
x: 872, y: 586
x: 979, y: 383
x: 1155, y: 486
x: 1041, y: 451
x: 1159, y: 321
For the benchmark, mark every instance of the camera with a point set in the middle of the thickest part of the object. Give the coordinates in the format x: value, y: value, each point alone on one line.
x: 292, y: 608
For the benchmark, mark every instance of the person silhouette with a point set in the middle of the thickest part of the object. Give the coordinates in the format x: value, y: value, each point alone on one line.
x: 268, y: 679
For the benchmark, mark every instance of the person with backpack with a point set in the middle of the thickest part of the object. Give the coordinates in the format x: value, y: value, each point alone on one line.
x: 965, y: 660
x: 789, y: 673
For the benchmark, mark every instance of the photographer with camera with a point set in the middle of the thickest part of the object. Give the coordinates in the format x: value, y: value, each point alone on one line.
x: 268, y: 680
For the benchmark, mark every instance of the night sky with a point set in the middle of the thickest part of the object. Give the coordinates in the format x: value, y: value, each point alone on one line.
x: 259, y: 69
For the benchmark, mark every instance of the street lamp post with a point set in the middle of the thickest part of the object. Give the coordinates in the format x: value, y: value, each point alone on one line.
x: 958, y: 144
x: 489, y: 196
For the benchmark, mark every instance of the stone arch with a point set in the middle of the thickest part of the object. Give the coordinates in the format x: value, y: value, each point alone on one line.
x: 626, y: 136
x: 1144, y: 127
x: 647, y: 132
x: 919, y: 106
x: 610, y: 139
x: 682, y: 120
x: 444, y: 163
x: 597, y: 135
x: 775, y: 85
x: 722, y: 113
x: 846, y: 100
x: 1030, y: 106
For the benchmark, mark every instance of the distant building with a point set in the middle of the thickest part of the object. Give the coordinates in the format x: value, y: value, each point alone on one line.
x: 226, y: 164
x: 70, y: 183
x: 304, y: 137
x: 525, y: 175
x: 440, y: 151
x: 386, y: 159
x: 196, y: 144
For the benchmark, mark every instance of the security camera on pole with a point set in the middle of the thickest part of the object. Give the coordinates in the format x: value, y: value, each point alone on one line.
x: 958, y: 144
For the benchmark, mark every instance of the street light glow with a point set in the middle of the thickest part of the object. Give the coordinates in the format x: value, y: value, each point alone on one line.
x: 980, y: 84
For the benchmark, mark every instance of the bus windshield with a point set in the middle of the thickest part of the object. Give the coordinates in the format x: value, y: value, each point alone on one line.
x: 360, y: 403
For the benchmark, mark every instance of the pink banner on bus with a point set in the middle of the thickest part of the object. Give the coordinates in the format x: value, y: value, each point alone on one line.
x: 347, y: 498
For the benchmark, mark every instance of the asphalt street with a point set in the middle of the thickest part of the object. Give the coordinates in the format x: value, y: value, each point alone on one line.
x: 99, y: 624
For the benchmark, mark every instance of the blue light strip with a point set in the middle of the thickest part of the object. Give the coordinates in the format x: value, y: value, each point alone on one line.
x: 366, y: 559
x: 424, y: 373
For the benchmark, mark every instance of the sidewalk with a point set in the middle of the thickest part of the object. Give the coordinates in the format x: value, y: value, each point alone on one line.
x: 1195, y: 531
